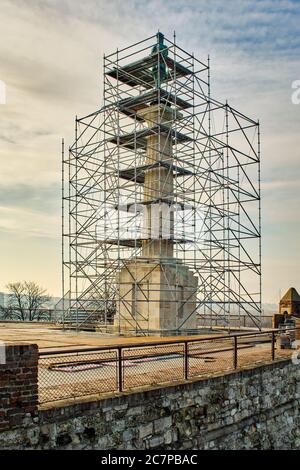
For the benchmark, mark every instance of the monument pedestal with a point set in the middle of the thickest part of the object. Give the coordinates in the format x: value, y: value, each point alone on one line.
x: 158, y: 297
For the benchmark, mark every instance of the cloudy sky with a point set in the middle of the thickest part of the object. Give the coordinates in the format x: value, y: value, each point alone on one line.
x: 50, y: 60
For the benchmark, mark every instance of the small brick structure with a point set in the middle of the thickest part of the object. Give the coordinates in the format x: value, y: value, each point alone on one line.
x: 289, y: 308
x: 290, y: 303
x: 18, y: 385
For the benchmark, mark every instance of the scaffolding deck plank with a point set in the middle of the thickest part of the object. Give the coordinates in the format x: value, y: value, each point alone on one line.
x: 137, y: 140
x: 130, y: 106
x: 138, y: 173
x: 140, y: 73
x: 178, y: 205
x: 137, y: 242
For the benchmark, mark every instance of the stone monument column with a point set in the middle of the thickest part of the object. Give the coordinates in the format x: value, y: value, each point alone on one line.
x: 158, y: 185
x: 157, y: 292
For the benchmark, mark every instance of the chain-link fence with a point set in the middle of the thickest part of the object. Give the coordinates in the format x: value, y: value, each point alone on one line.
x: 210, y: 356
x: 76, y: 373
x: 152, y: 365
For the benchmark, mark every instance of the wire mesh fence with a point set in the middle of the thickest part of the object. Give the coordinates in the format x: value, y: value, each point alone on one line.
x: 254, y: 349
x: 77, y: 374
x: 152, y: 365
x: 73, y: 374
x: 210, y: 356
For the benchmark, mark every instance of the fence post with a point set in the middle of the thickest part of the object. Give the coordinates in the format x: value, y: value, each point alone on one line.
x: 120, y: 369
x: 235, y: 358
x: 186, y: 361
x: 273, y: 345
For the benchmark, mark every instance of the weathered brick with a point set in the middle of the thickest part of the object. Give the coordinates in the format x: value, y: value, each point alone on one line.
x: 18, y: 382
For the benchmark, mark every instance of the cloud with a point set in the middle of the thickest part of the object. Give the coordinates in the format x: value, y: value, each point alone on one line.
x: 26, y: 223
x: 42, y: 199
x: 281, y: 184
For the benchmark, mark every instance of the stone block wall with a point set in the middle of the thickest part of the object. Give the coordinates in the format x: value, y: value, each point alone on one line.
x: 257, y: 408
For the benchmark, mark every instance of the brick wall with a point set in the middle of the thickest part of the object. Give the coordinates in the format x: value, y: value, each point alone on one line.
x: 18, y: 385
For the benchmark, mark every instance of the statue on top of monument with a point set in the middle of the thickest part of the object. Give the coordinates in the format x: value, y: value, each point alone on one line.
x: 159, y: 71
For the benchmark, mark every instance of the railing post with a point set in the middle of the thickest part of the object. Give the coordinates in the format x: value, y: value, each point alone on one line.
x: 235, y: 353
x: 273, y: 345
x: 186, y: 361
x: 120, y: 369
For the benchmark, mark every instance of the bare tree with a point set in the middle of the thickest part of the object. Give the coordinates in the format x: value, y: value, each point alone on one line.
x: 26, y: 301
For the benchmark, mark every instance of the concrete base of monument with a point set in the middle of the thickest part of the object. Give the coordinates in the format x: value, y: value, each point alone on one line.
x: 156, y: 297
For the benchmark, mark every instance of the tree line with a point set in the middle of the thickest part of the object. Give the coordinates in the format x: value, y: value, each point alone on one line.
x: 27, y: 301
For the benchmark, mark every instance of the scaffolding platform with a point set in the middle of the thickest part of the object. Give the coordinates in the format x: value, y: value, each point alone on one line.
x: 137, y: 174
x: 131, y: 106
x: 137, y: 242
x: 178, y: 205
x: 140, y: 73
x: 137, y: 140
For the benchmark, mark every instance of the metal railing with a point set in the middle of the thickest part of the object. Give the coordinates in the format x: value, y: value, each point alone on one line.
x: 236, y: 320
x: 81, y: 372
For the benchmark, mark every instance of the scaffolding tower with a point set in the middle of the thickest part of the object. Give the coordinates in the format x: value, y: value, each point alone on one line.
x: 161, y: 149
